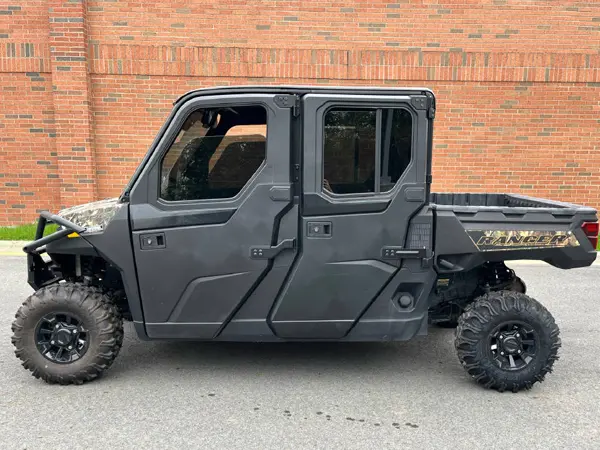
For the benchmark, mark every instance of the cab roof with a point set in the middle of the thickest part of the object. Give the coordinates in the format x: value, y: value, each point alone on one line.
x: 303, y: 90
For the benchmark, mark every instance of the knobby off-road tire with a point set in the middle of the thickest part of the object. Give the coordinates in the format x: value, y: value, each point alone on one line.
x: 518, y: 285
x: 523, y: 333
x: 96, y: 318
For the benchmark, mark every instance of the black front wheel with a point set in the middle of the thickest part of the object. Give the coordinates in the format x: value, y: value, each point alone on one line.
x: 507, y: 341
x: 67, y: 333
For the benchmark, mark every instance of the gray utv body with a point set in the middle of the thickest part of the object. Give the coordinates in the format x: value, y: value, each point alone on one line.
x: 286, y: 259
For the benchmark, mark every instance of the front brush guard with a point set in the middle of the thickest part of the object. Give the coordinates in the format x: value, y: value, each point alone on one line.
x: 39, y: 272
x: 67, y: 227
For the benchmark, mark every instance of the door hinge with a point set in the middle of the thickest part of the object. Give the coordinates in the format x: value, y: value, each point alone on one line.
x: 430, y: 105
x: 429, y: 179
x: 424, y: 102
x: 431, y: 112
x: 288, y: 101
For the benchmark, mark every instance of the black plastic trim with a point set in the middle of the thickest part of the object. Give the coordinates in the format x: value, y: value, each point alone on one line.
x: 173, y: 219
x: 309, y: 329
x: 169, y: 330
x: 316, y: 205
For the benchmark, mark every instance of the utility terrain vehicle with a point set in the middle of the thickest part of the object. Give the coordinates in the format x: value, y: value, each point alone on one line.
x: 297, y: 213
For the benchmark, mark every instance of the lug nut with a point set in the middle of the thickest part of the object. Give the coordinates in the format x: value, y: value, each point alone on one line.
x: 52, y: 342
x: 519, y: 352
x: 74, y: 331
x: 502, y: 353
x: 518, y: 335
x: 70, y: 347
x: 56, y: 326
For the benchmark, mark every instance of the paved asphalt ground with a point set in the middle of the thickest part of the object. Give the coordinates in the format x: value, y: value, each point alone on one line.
x: 284, y: 396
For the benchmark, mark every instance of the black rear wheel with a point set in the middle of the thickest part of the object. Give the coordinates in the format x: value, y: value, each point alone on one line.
x: 517, y: 285
x: 67, y: 333
x: 507, y: 341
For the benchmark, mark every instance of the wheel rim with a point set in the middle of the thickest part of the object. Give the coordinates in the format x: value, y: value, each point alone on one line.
x: 61, y: 338
x: 513, y: 345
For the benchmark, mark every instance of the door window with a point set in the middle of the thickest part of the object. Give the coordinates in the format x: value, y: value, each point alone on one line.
x: 365, y: 150
x: 215, y: 154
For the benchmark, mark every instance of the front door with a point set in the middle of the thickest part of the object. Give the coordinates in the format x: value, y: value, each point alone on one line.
x: 206, y: 212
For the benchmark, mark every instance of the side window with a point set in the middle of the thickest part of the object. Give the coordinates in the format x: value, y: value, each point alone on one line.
x: 365, y: 150
x: 349, y: 151
x: 215, y: 154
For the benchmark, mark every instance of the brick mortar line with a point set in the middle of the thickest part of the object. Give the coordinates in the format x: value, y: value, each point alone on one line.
x: 469, y: 79
x: 26, y: 71
x: 579, y: 59
x: 358, y: 64
x: 251, y: 77
x: 315, y: 64
x: 411, y: 80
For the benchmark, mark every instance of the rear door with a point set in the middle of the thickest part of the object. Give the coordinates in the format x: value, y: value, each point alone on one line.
x: 364, y: 177
x: 207, y: 209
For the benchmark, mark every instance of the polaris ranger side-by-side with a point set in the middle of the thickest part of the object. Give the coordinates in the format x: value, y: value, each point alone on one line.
x: 297, y: 213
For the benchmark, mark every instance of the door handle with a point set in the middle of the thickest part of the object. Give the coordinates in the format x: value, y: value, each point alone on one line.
x: 393, y: 252
x: 270, y: 252
x: 151, y: 241
x: 318, y: 229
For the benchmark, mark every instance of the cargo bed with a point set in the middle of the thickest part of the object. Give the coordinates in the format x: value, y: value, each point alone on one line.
x: 472, y: 228
x: 502, y: 201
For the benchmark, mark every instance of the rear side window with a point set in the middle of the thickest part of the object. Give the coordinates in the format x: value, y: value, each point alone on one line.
x: 365, y: 150
x: 349, y: 151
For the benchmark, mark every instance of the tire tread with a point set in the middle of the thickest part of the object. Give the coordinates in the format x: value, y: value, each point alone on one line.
x: 471, y: 330
x: 96, y: 305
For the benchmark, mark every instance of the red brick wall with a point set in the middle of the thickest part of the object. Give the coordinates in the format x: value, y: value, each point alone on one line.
x: 85, y: 85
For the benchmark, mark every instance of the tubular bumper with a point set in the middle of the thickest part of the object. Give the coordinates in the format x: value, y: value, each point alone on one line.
x: 37, y: 246
x: 39, y: 272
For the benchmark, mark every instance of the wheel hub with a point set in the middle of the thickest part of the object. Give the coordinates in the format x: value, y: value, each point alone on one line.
x: 510, y: 344
x: 513, y: 345
x: 61, y: 338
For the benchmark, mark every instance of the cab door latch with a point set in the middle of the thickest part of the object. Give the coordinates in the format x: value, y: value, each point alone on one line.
x: 270, y: 252
x: 152, y: 241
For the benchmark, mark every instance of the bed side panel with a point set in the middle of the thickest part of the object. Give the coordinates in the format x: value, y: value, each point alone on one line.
x: 467, y: 236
